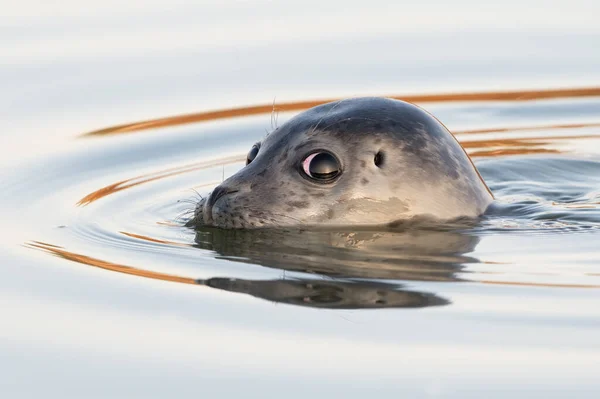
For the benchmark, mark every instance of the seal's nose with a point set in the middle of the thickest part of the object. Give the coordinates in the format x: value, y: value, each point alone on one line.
x: 218, y: 193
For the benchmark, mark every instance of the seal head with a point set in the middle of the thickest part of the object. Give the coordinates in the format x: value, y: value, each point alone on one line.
x: 361, y: 161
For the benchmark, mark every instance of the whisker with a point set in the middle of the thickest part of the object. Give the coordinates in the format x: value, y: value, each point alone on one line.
x: 197, y: 193
x: 273, y: 120
x: 188, y: 201
x: 184, y: 214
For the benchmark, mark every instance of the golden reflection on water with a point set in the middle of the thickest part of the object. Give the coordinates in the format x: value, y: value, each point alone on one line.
x: 115, y: 267
x: 155, y: 240
x: 406, y: 301
x: 520, y: 95
x: 514, y: 151
x: 528, y: 128
x: 304, y: 292
x: 142, y: 179
x: 519, y: 146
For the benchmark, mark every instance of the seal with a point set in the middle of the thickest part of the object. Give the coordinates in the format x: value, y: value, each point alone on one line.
x: 359, y: 161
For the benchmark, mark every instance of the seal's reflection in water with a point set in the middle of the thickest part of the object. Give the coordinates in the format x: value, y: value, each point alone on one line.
x: 330, y: 294
x: 360, y: 268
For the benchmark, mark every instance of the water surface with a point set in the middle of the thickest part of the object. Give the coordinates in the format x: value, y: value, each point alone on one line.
x: 105, y: 292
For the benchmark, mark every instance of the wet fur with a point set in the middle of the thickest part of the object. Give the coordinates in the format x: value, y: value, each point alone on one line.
x: 425, y: 171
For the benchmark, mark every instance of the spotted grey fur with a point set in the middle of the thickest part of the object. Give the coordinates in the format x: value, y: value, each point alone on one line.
x: 425, y: 171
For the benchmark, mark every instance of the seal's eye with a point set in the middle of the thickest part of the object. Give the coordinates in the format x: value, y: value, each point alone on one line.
x: 253, y: 153
x: 321, y: 167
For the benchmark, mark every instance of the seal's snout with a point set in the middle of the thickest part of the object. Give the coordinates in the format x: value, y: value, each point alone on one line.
x: 218, y: 193
x: 204, y: 213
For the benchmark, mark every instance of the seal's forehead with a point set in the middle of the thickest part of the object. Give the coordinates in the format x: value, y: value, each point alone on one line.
x: 354, y: 118
x: 376, y: 108
x: 357, y: 116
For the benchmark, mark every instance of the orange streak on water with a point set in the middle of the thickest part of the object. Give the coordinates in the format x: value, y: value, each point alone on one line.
x: 521, y: 95
x: 527, y: 128
x: 519, y: 146
x: 136, y: 181
x: 156, y: 240
x: 167, y: 223
x: 530, y: 141
x: 506, y: 152
x: 115, y: 267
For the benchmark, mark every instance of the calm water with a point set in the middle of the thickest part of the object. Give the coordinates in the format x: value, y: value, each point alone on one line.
x: 114, y: 122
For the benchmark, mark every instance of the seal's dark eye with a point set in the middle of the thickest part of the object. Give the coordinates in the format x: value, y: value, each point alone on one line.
x: 322, y: 167
x: 253, y: 153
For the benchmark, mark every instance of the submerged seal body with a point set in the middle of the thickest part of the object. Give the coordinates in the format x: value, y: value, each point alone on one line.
x: 360, y: 161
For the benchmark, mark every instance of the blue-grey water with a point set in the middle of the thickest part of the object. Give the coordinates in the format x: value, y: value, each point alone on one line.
x: 105, y: 293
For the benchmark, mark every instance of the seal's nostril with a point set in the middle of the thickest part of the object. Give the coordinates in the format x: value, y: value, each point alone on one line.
x: 218, y: 193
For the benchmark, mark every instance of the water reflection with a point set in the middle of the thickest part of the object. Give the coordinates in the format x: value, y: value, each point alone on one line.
x: 350, y: 269
x: 351, y: 264
x: 330, y: 294
x: 395, y: 254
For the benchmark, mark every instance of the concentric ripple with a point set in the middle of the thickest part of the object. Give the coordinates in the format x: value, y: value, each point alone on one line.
x: 539, y: 152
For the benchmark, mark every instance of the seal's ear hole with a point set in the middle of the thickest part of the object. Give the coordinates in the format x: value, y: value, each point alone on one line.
x: 379, y: 159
